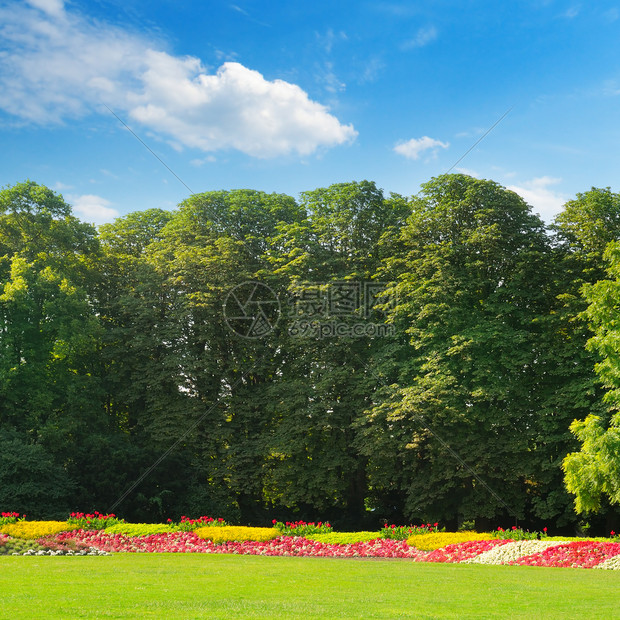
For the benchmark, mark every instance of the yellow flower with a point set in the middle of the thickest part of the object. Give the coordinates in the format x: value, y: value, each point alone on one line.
x: 31, y: 530
x: 238, y: 533
x: 436, y: 540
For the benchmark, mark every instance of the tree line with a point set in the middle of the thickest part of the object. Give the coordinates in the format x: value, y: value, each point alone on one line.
x: 347, y: 355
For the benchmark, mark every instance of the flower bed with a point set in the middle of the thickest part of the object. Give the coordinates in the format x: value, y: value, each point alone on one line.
x: 586, y: 554
x: 612, y: 563
x: 140, y: 529
x: 437, y: 540
x: 106, y: 534
x: 508, y: 553
x: 343, y: 538
x: 581, y: 554
x: 31, y: 530
x: 462, y: 551
x: 189, y: 542
x: 236, y: 533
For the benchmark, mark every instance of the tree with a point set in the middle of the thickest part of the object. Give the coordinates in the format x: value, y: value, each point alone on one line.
x: 586, y: 225
x: 50, y: 390
x: 582, y: 232
x: 593, y: 473
x: 47, y: 325
x: 326, y: 383
x: 454, y: 437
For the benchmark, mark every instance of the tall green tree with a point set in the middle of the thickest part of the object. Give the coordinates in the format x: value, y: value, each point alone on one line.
x: 593, y: 473
x: 203, y: 383
x: 326, y: 379
x: 453, y: 438
x: 50, y: 392
x: 582, y: 231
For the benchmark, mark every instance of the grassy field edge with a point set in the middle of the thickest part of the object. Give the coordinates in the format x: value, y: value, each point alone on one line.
x: 231, y: 586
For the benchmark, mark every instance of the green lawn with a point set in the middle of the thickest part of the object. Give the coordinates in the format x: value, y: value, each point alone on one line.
x: 230, y: 586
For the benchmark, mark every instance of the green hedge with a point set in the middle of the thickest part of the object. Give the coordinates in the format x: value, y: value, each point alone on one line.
x: 141, y: 529
x: 343, y: 538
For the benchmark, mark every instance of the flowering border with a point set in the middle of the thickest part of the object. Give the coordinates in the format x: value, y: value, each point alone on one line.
x: 580, y: 554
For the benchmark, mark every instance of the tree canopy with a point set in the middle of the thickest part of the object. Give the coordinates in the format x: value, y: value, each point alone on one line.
x: 424, y: 358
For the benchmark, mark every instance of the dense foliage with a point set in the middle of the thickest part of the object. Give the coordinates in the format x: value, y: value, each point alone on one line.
x: 422, y: 359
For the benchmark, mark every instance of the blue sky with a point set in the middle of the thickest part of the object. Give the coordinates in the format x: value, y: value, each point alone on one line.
x: 291, y: 96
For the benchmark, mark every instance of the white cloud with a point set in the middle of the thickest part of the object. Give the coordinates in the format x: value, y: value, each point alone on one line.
x: 60, y: 187
x: 469, y: 172
x: 412, y: 149
x: 422, y: 37
x: 52, y: 7
x: 471, y: 133
x: 57, y: 65
x: 209, y: 159
x: 93, y: 209
x: 546, y: 202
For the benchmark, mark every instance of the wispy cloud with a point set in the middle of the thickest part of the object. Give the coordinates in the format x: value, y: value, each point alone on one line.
x: 371, y: 70
x: 468, y: 171
x: 610, y: 88
x: 330, y: 38
x: 325, y: 69
x: 209, y: 159
x: 412, y: 149
x: 572, y: 12
x: 58, y: 65
x: 396, y: 9
x: 238, y: 9
x: 93, y: 209
x: 422, y: 37
x: 61, y: 187
x: 471, y: 133
x: 538, y: 193
x: 51, y: 7
x: 327, y: 76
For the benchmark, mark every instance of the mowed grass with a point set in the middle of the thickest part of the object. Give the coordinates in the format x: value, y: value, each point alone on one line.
x: 231, y: 586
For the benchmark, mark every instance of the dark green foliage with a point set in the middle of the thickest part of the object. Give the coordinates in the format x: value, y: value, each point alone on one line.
x: 123, y: 385
x: 30, y: 482
x: 460, y: 434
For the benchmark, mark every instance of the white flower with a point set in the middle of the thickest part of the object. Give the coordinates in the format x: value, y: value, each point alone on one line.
x: 504, y: 554
x: 612, y: 563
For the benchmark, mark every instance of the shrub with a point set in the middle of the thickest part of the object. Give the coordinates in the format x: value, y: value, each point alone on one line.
x: 437, y: 540
x: 301, y: 528
x: 11, y: 517
x: 403, y: 532
x: 8, y: 545
x: 236, y: 533
x: 95, y: 521
x: 31, y: 530
x: 516, y: 533
x: 30, y: 480
x: 343, y: 538
x: 189, y: 525
x: 54, y: 543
